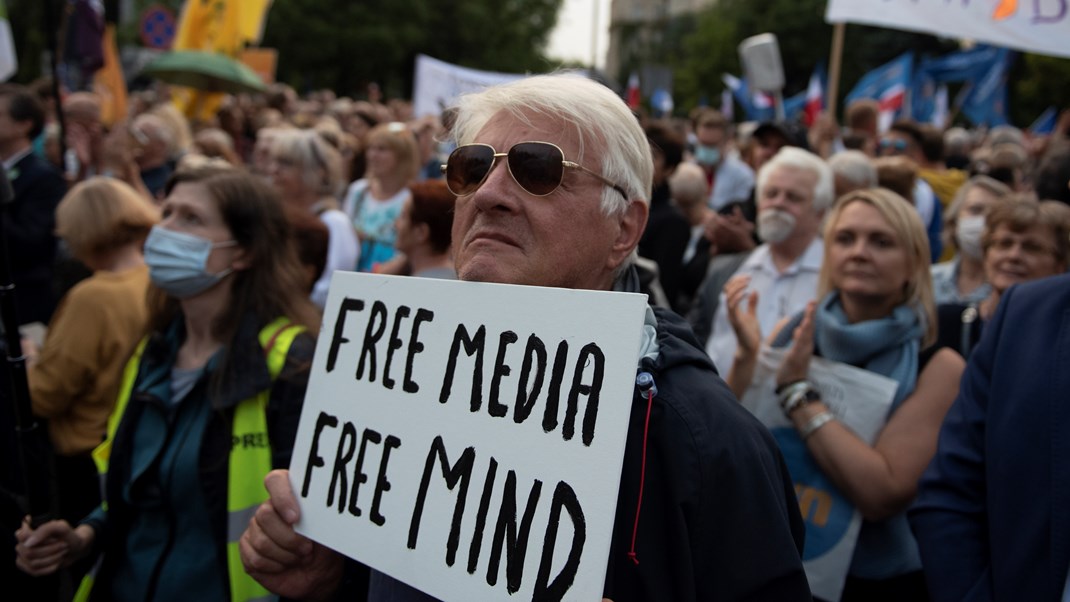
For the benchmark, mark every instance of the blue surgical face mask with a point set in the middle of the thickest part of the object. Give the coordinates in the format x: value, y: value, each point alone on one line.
x: 707, y: 155
x: 177, y: 262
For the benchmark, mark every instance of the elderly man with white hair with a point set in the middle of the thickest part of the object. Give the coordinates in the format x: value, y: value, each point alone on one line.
x: 553, y: 178
x: 794, y: 189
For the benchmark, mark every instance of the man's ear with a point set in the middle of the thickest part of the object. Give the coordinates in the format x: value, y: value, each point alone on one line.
x: 630, y: 229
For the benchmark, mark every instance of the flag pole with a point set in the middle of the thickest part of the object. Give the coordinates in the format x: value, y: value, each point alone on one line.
x: 835, y: 62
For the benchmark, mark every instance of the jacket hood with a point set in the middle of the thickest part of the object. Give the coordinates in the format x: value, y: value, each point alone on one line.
x: 677, y: 343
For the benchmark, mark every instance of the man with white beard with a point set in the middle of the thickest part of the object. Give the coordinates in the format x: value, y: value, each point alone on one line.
x: 794, y: 190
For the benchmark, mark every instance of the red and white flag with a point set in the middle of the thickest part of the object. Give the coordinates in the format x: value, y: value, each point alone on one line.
x: 633, y: 97
x: 815, y: 99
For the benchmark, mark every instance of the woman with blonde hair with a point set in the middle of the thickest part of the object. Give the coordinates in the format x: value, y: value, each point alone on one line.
x: 307, y: 172
x: 75, y: 375
x: 874, y: 311
x: 375, y: 201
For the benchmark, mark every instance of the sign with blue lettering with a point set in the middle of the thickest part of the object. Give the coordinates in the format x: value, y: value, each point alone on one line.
x: 467, y: 438
x: 860, y: 400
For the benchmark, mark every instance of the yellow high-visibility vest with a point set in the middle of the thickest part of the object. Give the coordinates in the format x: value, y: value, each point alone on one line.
x: 247, y: 466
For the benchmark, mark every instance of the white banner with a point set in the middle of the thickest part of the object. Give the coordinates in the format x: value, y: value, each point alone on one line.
x: 860, y: 401
x: 1038, y: 26
x: 467, y: 438
x: 438, y: 84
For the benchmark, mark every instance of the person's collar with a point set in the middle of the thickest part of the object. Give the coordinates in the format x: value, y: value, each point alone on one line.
x: 810, y: 260
x: 813, y: 256
x: 19, y: 155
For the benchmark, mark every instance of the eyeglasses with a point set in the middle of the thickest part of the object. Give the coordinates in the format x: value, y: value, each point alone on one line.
x: 537, y: 167
x: 900, y: 146
x: 1028, y: 245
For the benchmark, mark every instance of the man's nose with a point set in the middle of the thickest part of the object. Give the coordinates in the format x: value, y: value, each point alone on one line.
x: 499, y: 190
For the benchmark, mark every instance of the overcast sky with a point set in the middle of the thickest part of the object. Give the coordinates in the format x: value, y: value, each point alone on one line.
x: 573, y: 35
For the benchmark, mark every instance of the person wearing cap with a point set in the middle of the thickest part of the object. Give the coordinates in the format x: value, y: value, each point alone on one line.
x: 729, y: 178
x: 718, y: 518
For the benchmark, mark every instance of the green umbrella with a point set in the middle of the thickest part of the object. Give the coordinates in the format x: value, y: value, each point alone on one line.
x: 206, y: 71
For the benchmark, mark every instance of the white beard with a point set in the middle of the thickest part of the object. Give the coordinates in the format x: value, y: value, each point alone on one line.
x: 775, y: 225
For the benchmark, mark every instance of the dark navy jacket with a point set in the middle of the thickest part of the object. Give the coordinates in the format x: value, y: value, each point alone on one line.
x: 992, y: 518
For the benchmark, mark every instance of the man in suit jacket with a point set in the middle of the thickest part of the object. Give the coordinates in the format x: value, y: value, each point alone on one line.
x: 30, y: 221
x: 992, y: 518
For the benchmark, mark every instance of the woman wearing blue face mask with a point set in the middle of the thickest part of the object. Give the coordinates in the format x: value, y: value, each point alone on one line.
x: 208, y: 404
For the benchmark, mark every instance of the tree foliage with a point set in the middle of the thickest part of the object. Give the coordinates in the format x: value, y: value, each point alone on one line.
x: 343, y: 45
x: 804, y: 39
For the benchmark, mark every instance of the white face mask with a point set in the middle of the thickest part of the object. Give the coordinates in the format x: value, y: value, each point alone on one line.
x: 775, y: 225
x: 968, y: 235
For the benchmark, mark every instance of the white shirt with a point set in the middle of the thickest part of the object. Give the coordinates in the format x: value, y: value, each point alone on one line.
x: 779, y: 295
x: 733, y: 182
x: 924, y: 201
x: 342, y: 252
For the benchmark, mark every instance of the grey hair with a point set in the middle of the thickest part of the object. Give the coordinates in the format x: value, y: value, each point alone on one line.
x: 1003, y: 134
x: 856, y: 167
x: 957, y: 141
x: 598, y: 116
x: 312, y: 153
x: 688, y: 184
x: 797, y: 158
x: 158, y: 128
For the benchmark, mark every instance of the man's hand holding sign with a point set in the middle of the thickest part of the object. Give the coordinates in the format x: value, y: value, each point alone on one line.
x: 467, y: 438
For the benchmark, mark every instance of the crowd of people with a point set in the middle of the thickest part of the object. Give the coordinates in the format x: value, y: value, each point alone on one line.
x: 182, y: 267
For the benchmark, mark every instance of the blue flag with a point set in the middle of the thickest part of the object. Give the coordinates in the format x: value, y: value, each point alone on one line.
x: 962, y: 65
x: 889, y: 85
x: 884, y: 81
x: 986, y: 101
x: 1045, y: 124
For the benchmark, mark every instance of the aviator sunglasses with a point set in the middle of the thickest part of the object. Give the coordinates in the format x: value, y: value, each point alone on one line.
x: 537, y: 167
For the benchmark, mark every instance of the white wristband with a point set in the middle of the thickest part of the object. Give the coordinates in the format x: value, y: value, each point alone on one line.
x: 818, y: 421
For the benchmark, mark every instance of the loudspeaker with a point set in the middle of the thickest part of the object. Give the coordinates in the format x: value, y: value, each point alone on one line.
x: 760, y: 56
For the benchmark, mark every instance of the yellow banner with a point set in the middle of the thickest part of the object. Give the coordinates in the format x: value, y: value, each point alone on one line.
x: 108, y: 82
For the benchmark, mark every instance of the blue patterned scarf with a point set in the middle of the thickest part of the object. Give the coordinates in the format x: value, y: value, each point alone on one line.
x: 888, y: 346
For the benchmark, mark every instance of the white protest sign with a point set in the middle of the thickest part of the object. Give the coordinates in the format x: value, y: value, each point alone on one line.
x: 860, y: 400
x: 1040, y: 26
x: 437, y: 84
x: 467, y: 438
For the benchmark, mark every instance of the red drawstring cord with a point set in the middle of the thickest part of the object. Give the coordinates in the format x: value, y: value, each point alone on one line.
x: 642, y: 476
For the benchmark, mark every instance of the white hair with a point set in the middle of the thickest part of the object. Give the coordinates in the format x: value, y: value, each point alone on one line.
x: 155, y: 127
x: 856, y: 167
x: 597, y: 114
x: 797, y: 158
x: 688, y: 184
x: 957, y: 140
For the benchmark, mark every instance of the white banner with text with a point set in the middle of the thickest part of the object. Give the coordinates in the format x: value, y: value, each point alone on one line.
x: 467, y: 438
x: 1038, y: 26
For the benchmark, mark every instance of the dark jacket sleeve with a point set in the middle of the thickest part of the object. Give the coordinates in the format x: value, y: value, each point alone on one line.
x: 704, y: 307
x: 950, y: 515
x: 750, y: 527
x: 32, y: 219
x: 287, y: 398
x: 718, y: 520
